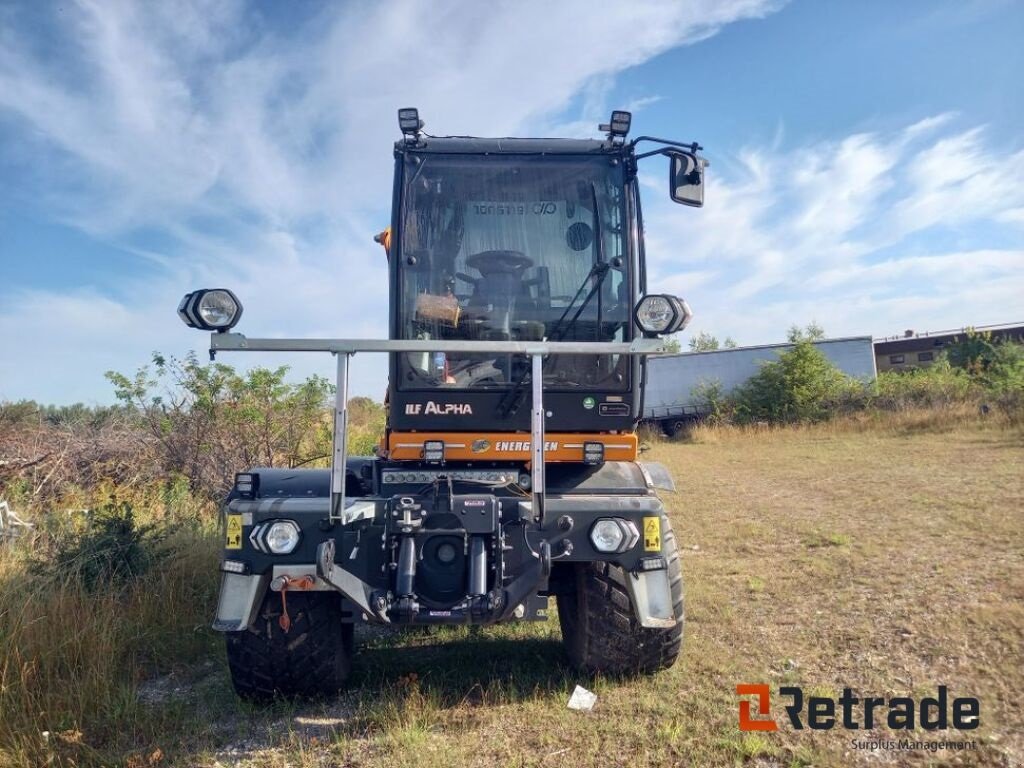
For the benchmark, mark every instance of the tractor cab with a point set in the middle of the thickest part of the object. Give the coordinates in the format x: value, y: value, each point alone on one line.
x: 518, y: 240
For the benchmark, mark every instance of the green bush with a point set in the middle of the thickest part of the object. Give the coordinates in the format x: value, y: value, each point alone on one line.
x: 938, y: 385
x: 111, y: 550
x: 973, y: 353
x: 995, y: 364
x: 207, y: 421
x: 366, y: 419
x: 713, y: 402
x: 1004, y: 373
x: 802, y: 385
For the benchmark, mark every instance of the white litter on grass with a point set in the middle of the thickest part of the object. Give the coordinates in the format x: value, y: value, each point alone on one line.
x: 10, y: 524
x: 582, y: 699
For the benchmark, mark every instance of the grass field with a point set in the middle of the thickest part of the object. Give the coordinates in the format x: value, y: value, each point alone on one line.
x: 886, y: 558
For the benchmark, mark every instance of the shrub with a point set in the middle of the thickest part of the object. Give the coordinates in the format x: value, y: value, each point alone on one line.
x: 366, y: 420
x: 802, y: 385
x: 1004, y: 373
x: 936, y: 386
x: 973, y: 353
x: 207, y: 422
x: 111, y: 550
x: 997, y: 365
x: 714, y: 403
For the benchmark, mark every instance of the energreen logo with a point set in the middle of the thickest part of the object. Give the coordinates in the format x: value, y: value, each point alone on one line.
x: 589, y: 402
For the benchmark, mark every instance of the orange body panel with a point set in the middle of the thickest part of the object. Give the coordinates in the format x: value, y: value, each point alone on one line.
x: 509, y: 446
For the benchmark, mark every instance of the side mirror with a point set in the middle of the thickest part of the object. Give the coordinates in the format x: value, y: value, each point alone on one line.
x: 686, y: 178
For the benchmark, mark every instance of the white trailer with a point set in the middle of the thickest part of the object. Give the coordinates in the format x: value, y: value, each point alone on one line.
x: 672, y: 389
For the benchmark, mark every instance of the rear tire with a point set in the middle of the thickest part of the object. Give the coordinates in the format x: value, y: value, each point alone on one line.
x: 600, y: 629
x: 313, y: 659
x: 673, y: 427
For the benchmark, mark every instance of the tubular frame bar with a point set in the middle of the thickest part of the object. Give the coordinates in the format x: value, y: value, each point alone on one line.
x: 236, y: 342
x: 339, y: 452
x: 343, y: 349
x: 537, y: 435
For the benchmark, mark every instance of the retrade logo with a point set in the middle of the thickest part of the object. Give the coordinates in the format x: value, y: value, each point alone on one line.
x: 850, y: 712
x: 748, y: 723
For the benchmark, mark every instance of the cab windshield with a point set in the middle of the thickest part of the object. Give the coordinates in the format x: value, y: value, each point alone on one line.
x: 513, y: 249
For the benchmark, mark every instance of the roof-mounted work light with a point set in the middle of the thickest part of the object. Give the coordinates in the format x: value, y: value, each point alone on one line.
x: 618, y: 126
x: 409, y: 122
x: 216, y: 309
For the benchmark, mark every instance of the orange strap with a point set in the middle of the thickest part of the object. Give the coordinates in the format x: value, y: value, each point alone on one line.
x: 292, y: 582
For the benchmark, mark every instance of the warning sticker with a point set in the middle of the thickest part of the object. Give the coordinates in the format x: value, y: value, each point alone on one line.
x: 234, y: 534
x: 652, y: 534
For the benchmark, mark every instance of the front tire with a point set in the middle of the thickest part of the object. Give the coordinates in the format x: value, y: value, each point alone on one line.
x: 312, y: 659
x: 600, y: 629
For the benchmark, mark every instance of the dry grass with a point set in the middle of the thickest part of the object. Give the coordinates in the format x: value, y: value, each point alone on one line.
x: 73, y: 660
x: 886, y: 557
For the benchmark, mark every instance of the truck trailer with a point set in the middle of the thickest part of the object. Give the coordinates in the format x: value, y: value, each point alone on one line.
x: 672, y: 391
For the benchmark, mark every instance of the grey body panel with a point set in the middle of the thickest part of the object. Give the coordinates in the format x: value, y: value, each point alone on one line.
x: 672, y: 380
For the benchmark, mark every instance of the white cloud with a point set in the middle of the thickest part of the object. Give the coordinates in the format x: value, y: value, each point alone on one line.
x: 263, y: 152
x: 869, y: 234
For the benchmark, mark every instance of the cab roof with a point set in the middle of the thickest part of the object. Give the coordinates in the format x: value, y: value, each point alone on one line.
x: 470, y: 145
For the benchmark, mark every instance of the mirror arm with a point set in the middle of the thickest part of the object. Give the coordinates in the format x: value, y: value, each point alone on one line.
x: 661, y: 151
x: 693, y: 146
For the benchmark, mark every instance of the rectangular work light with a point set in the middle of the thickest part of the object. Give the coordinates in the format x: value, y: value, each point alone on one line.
x: 433, y: 451
x: 619, y: 125
x: 247, y: 484
x: 593, y: 454
x: 409, y: 121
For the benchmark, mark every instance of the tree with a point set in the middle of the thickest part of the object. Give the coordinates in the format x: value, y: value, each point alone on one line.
x: 672, y: 346
x: 729, y: 343
x: 703, y: 342
x: 975, y: 352
x: 209, y: 421
x: 996, y: 364
x: 801, y: 385
x: 811, y: 332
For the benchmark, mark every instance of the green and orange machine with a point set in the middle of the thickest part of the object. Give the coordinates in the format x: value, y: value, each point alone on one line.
x: 519, y: 324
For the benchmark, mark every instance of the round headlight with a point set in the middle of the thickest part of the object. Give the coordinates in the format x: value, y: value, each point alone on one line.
x: 662, y: 314
x: 606, y: 536
x: 655, y: 314
x: 218, y: 309
x: 282, y: 537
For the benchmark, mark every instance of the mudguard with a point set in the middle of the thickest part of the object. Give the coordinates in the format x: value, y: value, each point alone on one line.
x: 240, y: 597
x: 651, y: 595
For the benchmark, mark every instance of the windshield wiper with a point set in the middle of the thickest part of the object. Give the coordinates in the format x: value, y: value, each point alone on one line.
x: 513, y: 399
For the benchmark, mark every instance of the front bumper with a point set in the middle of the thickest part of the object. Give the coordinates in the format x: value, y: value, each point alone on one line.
x: 372, y: 559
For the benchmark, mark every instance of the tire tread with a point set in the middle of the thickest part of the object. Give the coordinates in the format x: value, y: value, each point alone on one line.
x: 312, y: 659
x: 600, y: 629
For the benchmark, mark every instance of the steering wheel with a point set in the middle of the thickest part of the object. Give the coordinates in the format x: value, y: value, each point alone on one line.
x: 490, y: 263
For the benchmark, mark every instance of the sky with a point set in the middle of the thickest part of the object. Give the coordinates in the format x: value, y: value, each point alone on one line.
x: 866, y: 161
